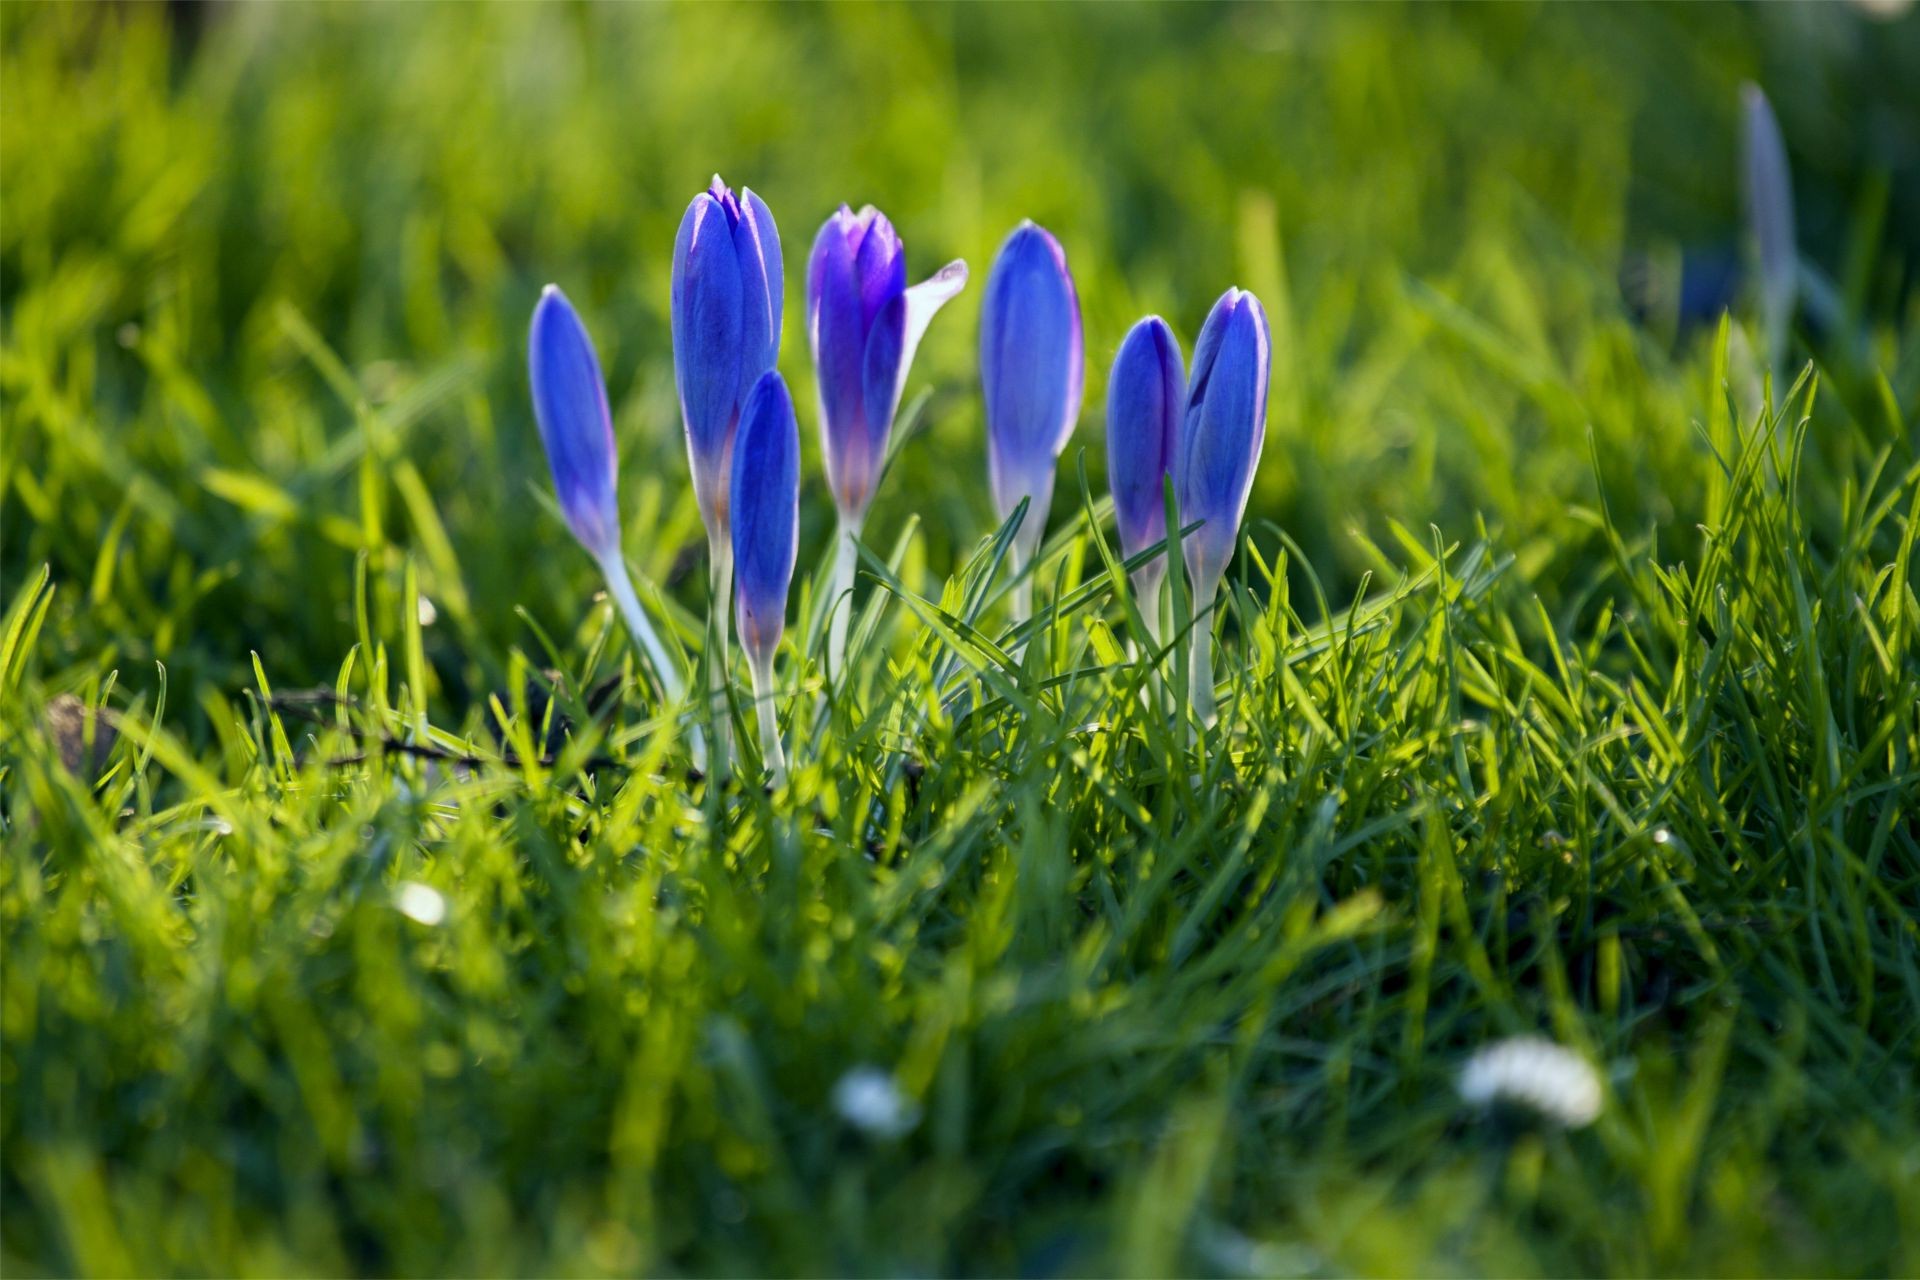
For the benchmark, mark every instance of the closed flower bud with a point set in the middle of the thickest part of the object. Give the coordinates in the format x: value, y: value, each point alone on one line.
x: 1769, y: 196
x: 765, y: 491
x: 1030, y: 372
x: 864, y: 325
x: 570, y: 404
x: 1146, y: 399
x: 726, y: 305
x: 1224, y: 428
x: 766, y: 513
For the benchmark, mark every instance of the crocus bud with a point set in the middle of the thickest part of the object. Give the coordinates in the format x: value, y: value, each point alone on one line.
x: 1226, y: 423
x: 1146, y: 398
x: 1030, y: 371
x: 766, y: 513
x: 570, y: 404
x: 765, y: 490
x: 864, y: 325
x: 1769, y: 195
x: 727, y: 297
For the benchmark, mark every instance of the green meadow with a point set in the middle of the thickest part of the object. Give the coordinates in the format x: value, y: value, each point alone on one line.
x: 360, y: 912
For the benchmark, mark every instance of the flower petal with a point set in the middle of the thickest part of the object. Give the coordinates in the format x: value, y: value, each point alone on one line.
x: 763, y: 284
x: 707, y: 327
x: 924, y: 300
x: 838, y: 337
x: 880, y: 384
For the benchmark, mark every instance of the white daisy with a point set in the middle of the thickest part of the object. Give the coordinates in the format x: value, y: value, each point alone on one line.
x: 868, y: 1099
x: 420, y: 902
x: 1537, y: 1074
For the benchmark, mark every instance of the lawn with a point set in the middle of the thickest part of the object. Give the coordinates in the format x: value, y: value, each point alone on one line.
x: 361, y: 912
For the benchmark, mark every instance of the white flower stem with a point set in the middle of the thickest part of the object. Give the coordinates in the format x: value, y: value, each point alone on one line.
x: 1201, y: 693
x: 1022, y: 588
x: 771, y: 748
x: 839, y: 600
x: 1026, y: 546
x: 1146, y: 594
x: 672, y: 687
x: 719, y: 608
x: 1200, y: 690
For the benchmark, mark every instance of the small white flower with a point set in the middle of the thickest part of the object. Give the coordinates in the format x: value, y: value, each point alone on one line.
x: 869, y: 1100
x: 1537, y: 1074
x: 420, y: 902
x: 425, y: 611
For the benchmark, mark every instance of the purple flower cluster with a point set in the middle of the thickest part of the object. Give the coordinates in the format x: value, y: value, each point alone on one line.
x: 1202, y: 430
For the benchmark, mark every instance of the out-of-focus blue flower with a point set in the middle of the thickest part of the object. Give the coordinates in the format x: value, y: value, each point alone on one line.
x: 1769, y: 192
x: 766, y: 514
x: 1146, y: 400
x: 726, y: 305
x: 864, y: 325
x: 1030, y: 370
x: 570, y: 404
x: 1226, y: 423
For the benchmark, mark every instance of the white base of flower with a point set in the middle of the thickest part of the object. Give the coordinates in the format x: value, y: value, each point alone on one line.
x: 719, y: 617
x: 771, y: 748
x: 846, y: 557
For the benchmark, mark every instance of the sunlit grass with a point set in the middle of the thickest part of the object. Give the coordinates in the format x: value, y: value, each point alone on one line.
x: 1568, y: 677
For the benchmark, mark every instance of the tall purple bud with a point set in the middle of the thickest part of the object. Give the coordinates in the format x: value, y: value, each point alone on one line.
x: 728, y: 290
x: 1031, y: 373
x: 864, y: 325
x: 1146, y: 400
x: 570, y: 405
x: 1224, y: 428
x: 765, y: 493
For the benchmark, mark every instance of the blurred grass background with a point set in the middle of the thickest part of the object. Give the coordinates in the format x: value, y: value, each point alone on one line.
x: 245, y: 248
x: 265, y: 273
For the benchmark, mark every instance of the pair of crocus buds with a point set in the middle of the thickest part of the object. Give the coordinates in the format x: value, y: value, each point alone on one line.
x: 864, y: 325
x: 1207, y: 434
x: 727, y: 300
x: 761, y: 496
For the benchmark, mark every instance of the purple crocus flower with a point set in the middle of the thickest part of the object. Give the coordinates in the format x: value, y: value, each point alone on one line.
x: 1146, y: 399
x: 765, y: 493
x: 1031, y: 373
x: 570, y: 405
x: 1225, y: 426
x: 726, y: 306
x: 1769, y: 194
x: 864, y: 325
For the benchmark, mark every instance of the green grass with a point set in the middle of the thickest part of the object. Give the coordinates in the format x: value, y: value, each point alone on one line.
x: 1570, y: 671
